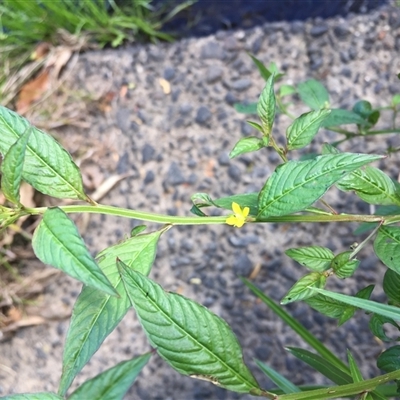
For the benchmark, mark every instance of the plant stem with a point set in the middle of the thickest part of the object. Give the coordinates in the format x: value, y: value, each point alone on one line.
x: 176, y: 220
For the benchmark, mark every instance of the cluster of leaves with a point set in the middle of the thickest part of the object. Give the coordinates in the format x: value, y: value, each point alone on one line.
x: 185, y: 334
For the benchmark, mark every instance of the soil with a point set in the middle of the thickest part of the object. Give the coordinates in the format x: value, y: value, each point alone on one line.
x: 176, y: 144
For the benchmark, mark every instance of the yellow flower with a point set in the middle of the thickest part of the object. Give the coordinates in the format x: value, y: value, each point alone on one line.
x: 239, y: 218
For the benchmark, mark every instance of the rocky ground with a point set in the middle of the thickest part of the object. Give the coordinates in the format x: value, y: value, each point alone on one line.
x: 173, y: 145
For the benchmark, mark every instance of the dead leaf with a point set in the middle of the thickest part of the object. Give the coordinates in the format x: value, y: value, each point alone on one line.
x: 58, y: 59
x: 32, y: 91
x: 123, y: 91
x: 209, y: 168
x: 166, y: 86
x: 41, y: 51
x: 28, y: 321
x: 107, y: 185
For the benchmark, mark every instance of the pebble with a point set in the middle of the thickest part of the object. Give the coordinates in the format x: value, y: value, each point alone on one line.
x: 203, y: 115
x: 341, y: 31
x: 213, y: 51
x: 246, y: 129
x: 213, y: 74
x: 230, y: 98
x: 318, y: 30
x: 123, y: 119
x: 169, y: 73
x: 174, y: 176
x: 148, y: 153
x: 242, y: 266
x: 235, y: 173
x: 223, y: 159
x: 241, y: 84
x: 149, y: 177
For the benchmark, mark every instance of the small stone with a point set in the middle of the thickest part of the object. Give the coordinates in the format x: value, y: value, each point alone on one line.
x: 256, y: 45
x: 231, y: 99
x: 241, y: 84
x: 213, y: 74
x: 224, y: 159
x: 262, y: 353
x: 230, y: 43
x: 123, y: 164
x: 169, y: 73
x: 341, y: 31
x: 344, y: 57
x: 123, y: 119
x: 185, y: 109
x: 346, y: 72
x: 149, y: 177
x: 148, y: 153
x: 296, y: 27
x: 174, y: 176
x: 156, y: 53
x: 235, y: 173
x: 318, y: 30
x: 246, y: 129
x: 243, y: 241
x: 212, y: 50
x: 242, y: 265
x: 203, y: 115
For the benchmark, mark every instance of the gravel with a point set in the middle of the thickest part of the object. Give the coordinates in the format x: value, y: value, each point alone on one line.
x: 178, y: 145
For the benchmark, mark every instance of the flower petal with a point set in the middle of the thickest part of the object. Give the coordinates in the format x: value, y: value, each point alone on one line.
x: 236, y: 208
x: 239, y: 223
x: 245, y: 212
x: 231, y: 220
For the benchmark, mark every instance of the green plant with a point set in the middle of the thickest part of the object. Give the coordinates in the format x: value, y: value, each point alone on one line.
x: 188, y: 336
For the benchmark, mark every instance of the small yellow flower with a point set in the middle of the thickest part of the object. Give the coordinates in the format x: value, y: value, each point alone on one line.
x: 239, y: 218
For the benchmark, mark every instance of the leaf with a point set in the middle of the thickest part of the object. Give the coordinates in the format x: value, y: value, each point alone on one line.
x: 381, y: 210
x: 339, y: 116
x: 321, y: 365
x: 256, y: 126
x: 96, y: 314
x: 33, y: 396
x: 343, y: 266
x: 47, y: 167
x: 246, y: 108
x: 137, y: 230
x: 57, y: 242
x: 365, y: 110
x: 296, y: 185
x: 376, y: 325
x: 246, y: 145
x: 315, y: 258
x: 354, y: 370
x: 277, y: 378
x: 389, y: 360
x: 314, y: 94
x: 113, y: 383
x: 301, y: 289
x: 391, y: 285
x: 266, y: 106
x: 297, y: 327
x: 286, y: 90
x: 303, y: 129
x: 264, y: 72
x: 189, y: 337
x: 387, y: 246
x: 367, y: 305
x: 395, y: 100
x: 371, y: 185
x: 12, y: 166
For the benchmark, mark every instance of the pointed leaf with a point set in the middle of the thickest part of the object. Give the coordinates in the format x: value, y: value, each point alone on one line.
x: 266, y: 106
x: 284, y: 384
x: 303, y: 129
x: 387, y: 246
x: 391, y: 285
x: 376, y: 325
x: 296, y: 185
x: 12, y: 166
x: 264, y: 72
x: 286, y: 90
x: 321, y: 365
x: 189, y: 337
x: 371, y: 185
x: 246, y: 145
x: 33, y: 396
x: 329, y: 307
x: 96, y: 314
x: 255, y: 125
x: 367, y: 305
x: 57, y: 242
x: 354, y: 370
x: 314, y: 94
x: 113, y: 383
x: 301, y: 289
x: 342, y: 117
x: 343, y: 266
x: 315, y: 258
x: 47, y: 167
x: 389, y: 360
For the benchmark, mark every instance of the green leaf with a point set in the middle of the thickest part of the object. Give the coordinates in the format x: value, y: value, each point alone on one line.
x: 246, y: 108
x: 315, y: 258
x: 303, y: 129
x: 391, y: 285
x: 376, y: 325
x: 301, y: 289
x: 314, y: 94
x: 367, y: 305
x: 12, y: 167
x: 343, y: 266
x: 284, y: 384
x: 354, y: 370
x: 296, y: 185
x: 387, y: 246
x: 255, y: 125
x: 395, y: 100
x: 137, y: 230
x: 96, y: 314
x: 363, y: 108
x: 339, y: 116
x: 297, y: 327
x: 113, y: 383
x: 321, y: 365
x: 329, y: 307
x: 189, y: 337
x: 389, y: 360
x: 381, y: 210
x: 266, y: 106
x: 286, y: 90
x: 371, y: 185
x: 33, y: 396
x: 57, y: 242
x: 264, y: 72
x: 246, y: 145
x: 47, y: 167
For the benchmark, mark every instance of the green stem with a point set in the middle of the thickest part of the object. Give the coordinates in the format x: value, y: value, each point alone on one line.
x: 174, y: 220
x: 344, y: 390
